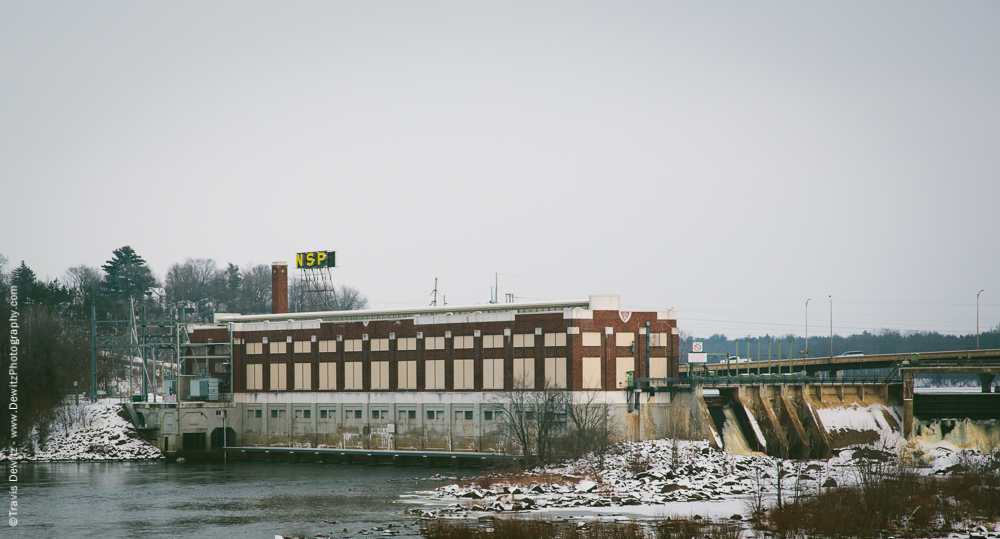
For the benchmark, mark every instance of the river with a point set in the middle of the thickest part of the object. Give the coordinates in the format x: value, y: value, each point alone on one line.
x: 238, y: 500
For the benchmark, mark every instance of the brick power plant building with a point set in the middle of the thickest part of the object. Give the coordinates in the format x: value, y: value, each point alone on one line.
x: 429, y: 378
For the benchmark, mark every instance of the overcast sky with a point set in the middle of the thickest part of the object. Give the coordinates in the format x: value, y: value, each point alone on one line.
x: 730, y: 160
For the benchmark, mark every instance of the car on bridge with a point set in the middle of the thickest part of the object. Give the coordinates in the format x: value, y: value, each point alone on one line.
x: 852, y: 353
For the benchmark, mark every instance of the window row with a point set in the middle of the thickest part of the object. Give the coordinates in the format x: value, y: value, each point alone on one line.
x: 520, y: 340
x: 463, y: 375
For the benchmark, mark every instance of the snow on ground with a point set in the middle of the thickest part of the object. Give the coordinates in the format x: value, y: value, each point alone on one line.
x: 102, y: 435
x: 870, y: 418
x: 698, y: 480
x: 696, y: 474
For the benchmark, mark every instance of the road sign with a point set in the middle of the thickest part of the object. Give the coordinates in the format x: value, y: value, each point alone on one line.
x: 697, y: 347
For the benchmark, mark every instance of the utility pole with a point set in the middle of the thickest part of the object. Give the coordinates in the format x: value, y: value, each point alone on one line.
x: 93, y: 353
x: 805, y: 353
x: 977, y: 319
x: 435, y: 302
x: 831, y: 325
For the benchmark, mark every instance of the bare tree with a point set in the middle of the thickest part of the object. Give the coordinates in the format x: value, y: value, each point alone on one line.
x: 531, y: 419
x: 254, y: 296
x: 594, y: 428
x: 342, y: 298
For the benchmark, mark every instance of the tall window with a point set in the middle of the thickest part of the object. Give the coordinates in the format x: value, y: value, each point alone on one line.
x: 406, y: 343
x: 327, y: 346
x: 407, y: 378
x: 255, y: 348
x: 301, y: 347
x: 380, y: 345
x: 434, y: 374
x: 380, y: 374
x: 524, y: 373
x: 434, y: 343
x: 625, y: 364
x: 303, y: 376
x: 657, y: 367
x: 352, y: 345
x: 592, y: 373
x: 493, y: 374
x: 352, y: 375
x: 464, y: 342
x: 658, y: 339
x: 464, y: 374
x: 624, y: 339
x: 327, y: 375
x: 555, y: 372
x: 255, y: 376
x: 279, y: 347
x: 279, y: 372
x: 492, y: 341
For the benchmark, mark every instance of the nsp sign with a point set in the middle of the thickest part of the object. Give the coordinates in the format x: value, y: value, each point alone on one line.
x: 316, y: 259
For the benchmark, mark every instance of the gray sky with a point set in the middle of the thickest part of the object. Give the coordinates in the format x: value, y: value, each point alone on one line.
x: 730, y: 160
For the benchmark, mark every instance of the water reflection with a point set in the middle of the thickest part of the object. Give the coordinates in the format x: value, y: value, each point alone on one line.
x: 257, y: 499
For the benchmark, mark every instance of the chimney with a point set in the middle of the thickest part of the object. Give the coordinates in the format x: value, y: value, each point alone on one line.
x: 279, y: 287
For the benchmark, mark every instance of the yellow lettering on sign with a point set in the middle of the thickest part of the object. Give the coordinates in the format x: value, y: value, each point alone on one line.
x: 298, y: 259
x: 310, y: 259
x: 320, y: 257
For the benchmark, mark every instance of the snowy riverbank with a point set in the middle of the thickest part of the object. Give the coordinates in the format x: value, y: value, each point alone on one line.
x: 99, y: 432
x: 654, y: 477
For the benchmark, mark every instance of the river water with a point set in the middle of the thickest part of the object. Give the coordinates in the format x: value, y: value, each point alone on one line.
x: 238, y: 500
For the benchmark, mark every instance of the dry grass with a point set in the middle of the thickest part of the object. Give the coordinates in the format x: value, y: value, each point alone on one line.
x: 517, y: 528
x: 890, y: 500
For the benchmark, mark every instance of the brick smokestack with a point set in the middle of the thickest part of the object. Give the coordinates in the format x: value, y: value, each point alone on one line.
x: 279, y: 287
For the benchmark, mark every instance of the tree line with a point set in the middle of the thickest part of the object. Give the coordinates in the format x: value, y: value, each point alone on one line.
x: 55, y: 319
x: 885, y: 341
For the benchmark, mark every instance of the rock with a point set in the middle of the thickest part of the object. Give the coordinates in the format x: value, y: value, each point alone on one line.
x: 472, y: 494
x: 830, y: 482
x: 670, y: 488
x: 586, y: 486
x: 537, y: 489
x: 736, y: 517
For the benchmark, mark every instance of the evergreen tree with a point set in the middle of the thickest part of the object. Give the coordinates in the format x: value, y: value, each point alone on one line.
x: 127, y: 275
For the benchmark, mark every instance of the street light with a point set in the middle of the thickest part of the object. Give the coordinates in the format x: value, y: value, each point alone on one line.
x: 977, y: 319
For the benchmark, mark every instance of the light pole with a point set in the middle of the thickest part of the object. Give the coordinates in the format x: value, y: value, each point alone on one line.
x: 805, y: 352
x: 831, y: 325
x: 977, y: 319
x: 76, y: 394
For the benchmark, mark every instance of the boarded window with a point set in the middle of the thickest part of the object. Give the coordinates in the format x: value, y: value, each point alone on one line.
x: 524, y: 373
x: 407, y: 375
x: 555, y: 339
x: 255, y: 376
x: 380, y: 375
x: 352, y: 375
x: 327, y: 346
x: 255, y: 348
x: 555, y: 372
x: 657, y: 367
x: 591, y: 338
x: 352, y: 345
x: 624, y: 339
x: 658, y: 339
x: 302, y: 347
x: 591, y: 373
x: 279, y: 347
x: 464, y: 342
x: 434, y: 374
x: 303, y: 375
x: 380, y: 345
x: 328, y: 375
x: 492, y: 341
x: 434, y: 343
x: 493, y: 374
x: 524, y: 340
x: 625, y: 364
x: 279, y: 372
x: 464, y: 374
x: 406, y: 343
